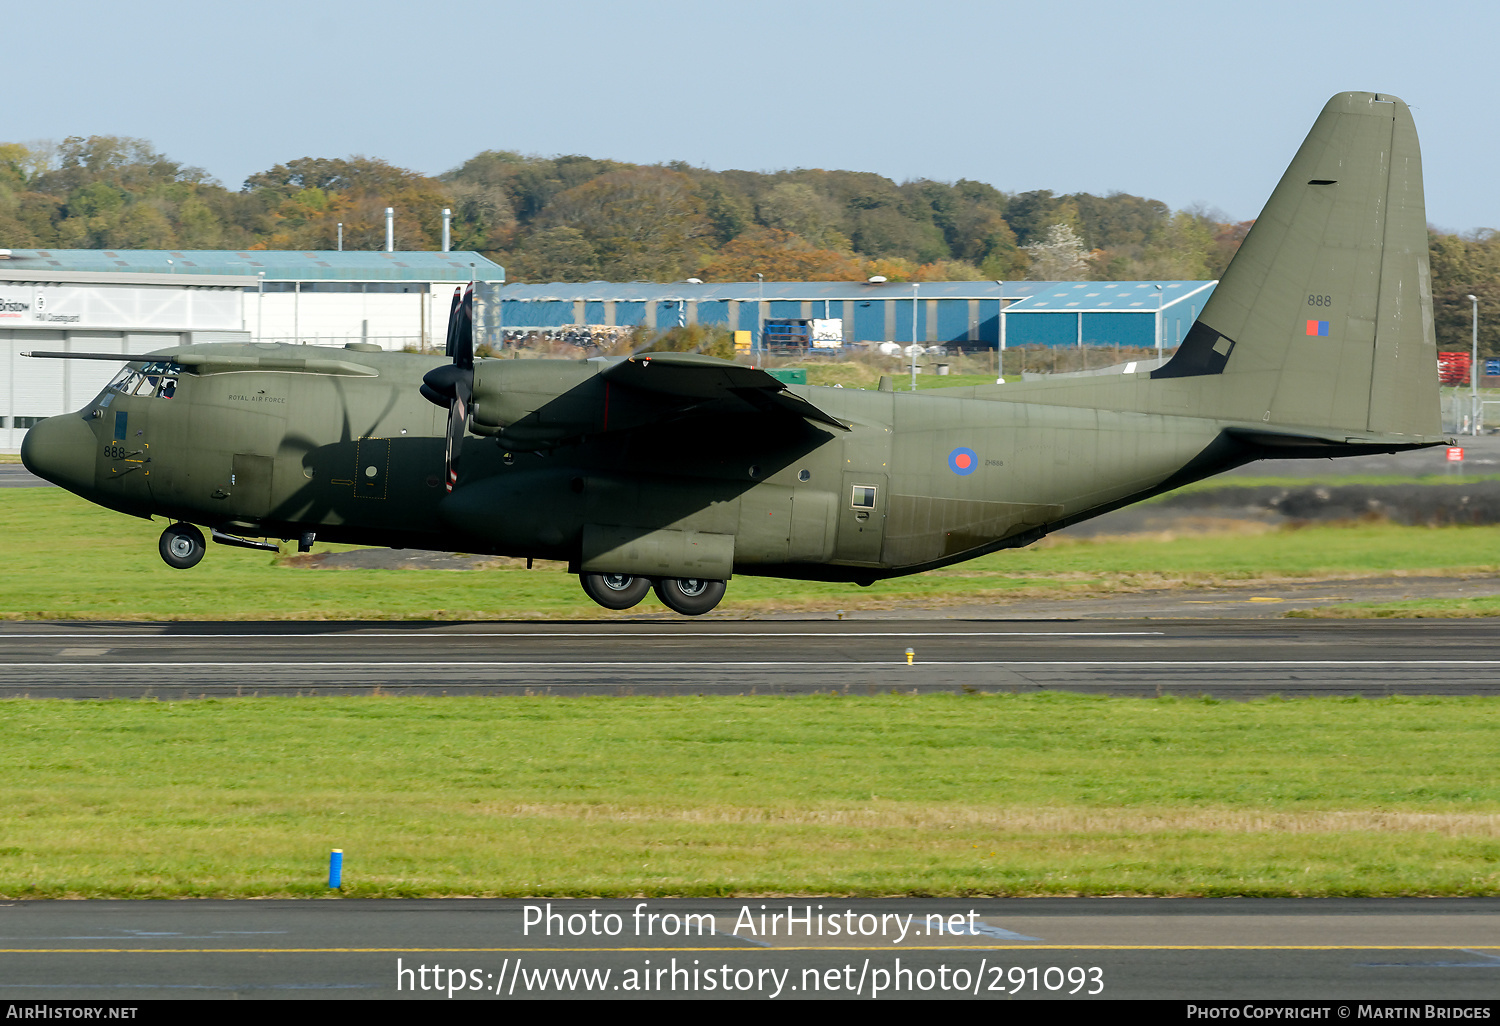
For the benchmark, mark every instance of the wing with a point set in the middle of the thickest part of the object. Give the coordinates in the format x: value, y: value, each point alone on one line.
x: 544, y: 403
x: 680, y: 376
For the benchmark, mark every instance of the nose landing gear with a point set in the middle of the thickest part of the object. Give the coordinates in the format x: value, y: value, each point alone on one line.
x: 181, y: 546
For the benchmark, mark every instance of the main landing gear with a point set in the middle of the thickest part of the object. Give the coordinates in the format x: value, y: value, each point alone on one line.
x: 690, y: 596
x: 181, y: 546
x: 614, y: 591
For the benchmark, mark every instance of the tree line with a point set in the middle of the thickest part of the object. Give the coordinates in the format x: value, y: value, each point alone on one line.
x: 577, y: 218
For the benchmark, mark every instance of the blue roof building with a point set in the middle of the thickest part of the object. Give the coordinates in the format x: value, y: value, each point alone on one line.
x: 1127, y: 314
x: 972, y: 314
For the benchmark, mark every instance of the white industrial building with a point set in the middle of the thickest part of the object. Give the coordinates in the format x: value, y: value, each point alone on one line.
x: 132, y: 302
x: 93, y: 312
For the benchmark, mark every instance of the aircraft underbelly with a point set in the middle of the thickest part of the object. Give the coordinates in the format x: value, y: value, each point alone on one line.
x: 926, y: 528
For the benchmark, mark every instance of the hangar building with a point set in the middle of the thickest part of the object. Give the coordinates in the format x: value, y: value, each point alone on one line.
x: 971, y: 314
x: 134, y: 301
x: 392, y: 299
x: 98, y: 312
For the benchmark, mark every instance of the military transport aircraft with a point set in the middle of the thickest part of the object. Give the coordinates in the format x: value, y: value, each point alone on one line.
x: 675, y: 471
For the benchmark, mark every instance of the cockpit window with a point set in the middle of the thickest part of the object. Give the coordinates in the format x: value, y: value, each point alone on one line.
x: 158, y: 378
x: 126, y: 380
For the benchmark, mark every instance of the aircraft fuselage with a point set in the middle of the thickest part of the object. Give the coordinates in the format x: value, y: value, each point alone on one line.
x: 919, y: 479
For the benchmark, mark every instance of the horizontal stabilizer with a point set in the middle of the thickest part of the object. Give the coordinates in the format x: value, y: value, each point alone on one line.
x: 1283, y: 443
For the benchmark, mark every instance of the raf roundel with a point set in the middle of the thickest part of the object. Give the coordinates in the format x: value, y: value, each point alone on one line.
x: 963, y: 461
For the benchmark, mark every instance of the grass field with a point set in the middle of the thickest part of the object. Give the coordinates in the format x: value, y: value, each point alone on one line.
x: 858, y: 795
x: 66, y: 559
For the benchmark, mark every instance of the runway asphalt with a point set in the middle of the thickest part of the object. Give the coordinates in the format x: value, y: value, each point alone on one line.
x: 1264, y: 951
x: 1234, y: 659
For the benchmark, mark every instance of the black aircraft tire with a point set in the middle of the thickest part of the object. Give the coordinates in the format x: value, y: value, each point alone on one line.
x: 614, y: 591
x: 690, y: 596
x: 181, y: 546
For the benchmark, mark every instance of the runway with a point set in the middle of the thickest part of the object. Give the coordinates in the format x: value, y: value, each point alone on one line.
x: 1234, y: 659
x: 1264, y: 951
x: 1244, y: 950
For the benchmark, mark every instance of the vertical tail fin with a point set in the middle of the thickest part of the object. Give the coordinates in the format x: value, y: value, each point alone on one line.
x: 1324, y: 317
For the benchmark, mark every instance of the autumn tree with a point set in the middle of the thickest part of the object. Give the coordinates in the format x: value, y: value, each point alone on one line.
x: 1227, y: 239
x: 554, y: 254
x: 309, y: 198
x: 1465, y: 265
x: 948, y: 270
x: 799, y: 209
x: 779, y: 256
x: 114, y: 191
x: 643, y: 223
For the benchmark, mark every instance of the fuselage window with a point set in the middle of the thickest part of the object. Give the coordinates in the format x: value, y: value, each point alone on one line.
x: 863, y: 497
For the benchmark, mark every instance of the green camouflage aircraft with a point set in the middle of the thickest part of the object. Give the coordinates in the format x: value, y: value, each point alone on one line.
x: 675, y: 471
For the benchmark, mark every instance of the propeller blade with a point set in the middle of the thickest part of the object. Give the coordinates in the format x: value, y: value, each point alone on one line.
x: 458, y: 424
x: 453, y: 385
x: 453, y: 322
x: 463, y: 332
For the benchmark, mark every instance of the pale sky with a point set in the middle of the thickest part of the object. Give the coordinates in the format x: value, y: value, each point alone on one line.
x: 1189, y: 103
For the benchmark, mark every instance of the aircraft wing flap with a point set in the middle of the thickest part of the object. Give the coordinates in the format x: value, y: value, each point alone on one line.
x: 703, y: 379
x: 789, y: 402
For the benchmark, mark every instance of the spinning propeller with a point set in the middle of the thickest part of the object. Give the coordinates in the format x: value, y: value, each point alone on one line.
x: 452, y: 385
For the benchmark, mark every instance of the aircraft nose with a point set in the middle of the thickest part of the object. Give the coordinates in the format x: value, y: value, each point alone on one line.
x: 61, y: 450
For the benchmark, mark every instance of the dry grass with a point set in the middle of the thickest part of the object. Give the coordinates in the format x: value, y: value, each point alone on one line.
x: 1037, y: 821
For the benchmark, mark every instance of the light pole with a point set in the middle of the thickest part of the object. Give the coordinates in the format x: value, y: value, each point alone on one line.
x: 1474, y: 371
x: 760, y: 318
x: 914, y: 287
x: 1158, y: 323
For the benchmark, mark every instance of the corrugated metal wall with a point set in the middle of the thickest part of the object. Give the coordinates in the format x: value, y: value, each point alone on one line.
x: 948, y: 320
